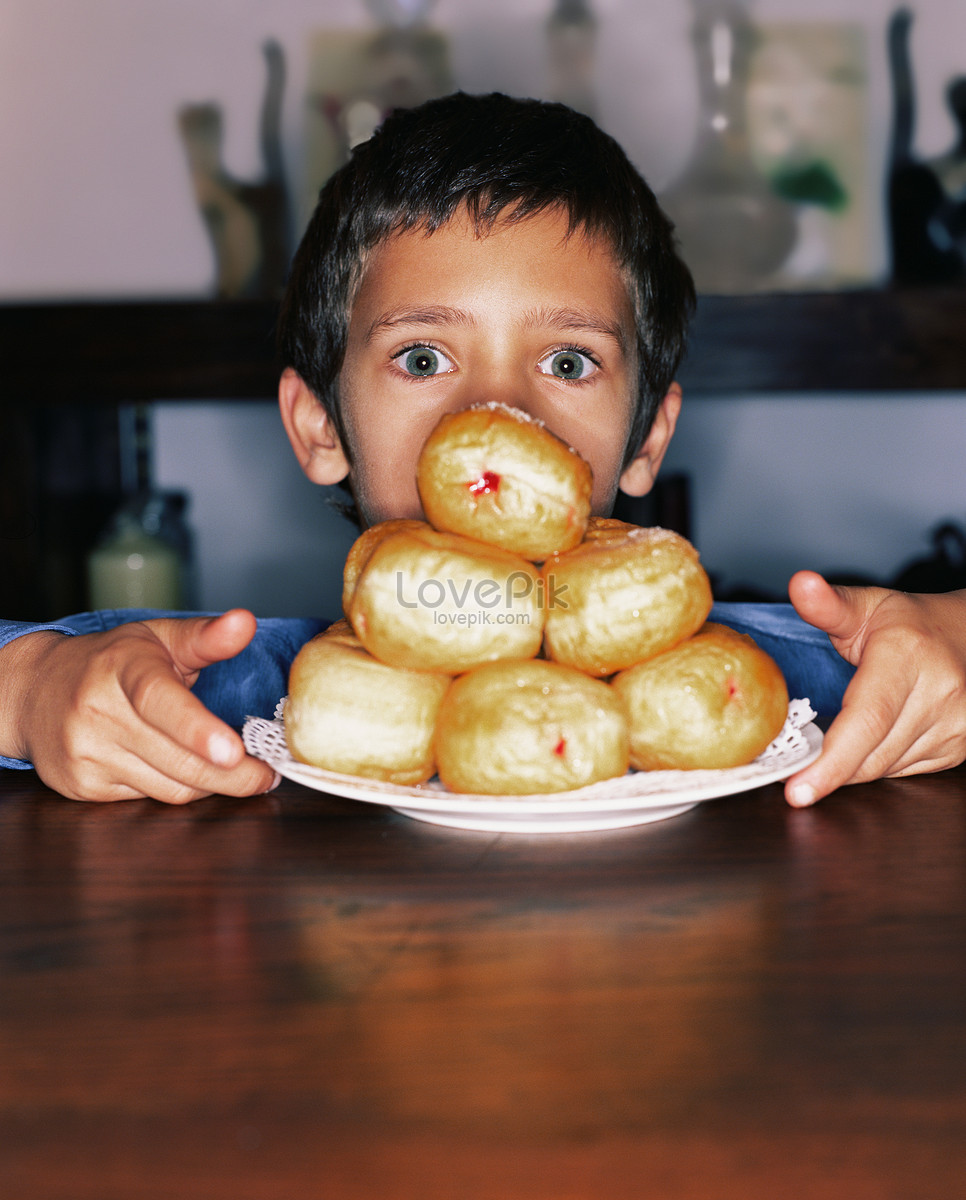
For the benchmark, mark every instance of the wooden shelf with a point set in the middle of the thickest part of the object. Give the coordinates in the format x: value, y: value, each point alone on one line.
x: 116, y: 351
x: 119, y: 351
x: 861, y: 341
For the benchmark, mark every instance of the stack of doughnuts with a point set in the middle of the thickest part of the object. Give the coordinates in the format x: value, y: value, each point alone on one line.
x: 513, y: 644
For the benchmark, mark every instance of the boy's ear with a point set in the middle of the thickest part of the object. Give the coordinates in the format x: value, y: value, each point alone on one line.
x: 310, y: 430
x: 638, y: 477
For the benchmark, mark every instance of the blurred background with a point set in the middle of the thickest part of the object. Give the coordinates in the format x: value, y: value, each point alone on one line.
x: 116, y: 114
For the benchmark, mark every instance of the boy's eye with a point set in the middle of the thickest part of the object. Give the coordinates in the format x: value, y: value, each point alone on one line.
x: 567, y: 364
x: 423, y: 360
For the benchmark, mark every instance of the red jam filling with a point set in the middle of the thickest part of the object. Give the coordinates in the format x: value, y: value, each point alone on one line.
x: 560, y: 748
x: 486, y: 485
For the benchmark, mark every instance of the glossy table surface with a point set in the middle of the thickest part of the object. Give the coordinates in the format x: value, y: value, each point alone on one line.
x: 295, y: 996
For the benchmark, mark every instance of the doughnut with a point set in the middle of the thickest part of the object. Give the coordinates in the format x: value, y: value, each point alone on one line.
x: 361, y: 551
x: 496, y: 474
x: 623, y: 595
x: 350, y: 713
x: 436, y: 601
x: 715, y: 700
x: 529, y: 727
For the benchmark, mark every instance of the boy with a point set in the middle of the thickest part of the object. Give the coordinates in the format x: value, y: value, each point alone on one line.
x: 478, y: 248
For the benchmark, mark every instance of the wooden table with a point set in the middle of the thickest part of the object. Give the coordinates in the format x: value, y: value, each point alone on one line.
x: 301, y: 997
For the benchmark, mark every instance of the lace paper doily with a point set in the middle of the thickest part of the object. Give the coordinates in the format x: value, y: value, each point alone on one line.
x: 633, y: 799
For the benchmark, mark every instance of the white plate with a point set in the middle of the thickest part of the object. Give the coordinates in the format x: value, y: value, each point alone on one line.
x: 634, y: 799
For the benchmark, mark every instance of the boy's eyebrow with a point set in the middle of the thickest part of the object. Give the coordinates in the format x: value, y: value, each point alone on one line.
x: 571, y: 320
x: 567, y: 320
x: 431, y: 315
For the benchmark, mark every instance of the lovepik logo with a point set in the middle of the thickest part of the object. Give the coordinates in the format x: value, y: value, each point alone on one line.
x: 487, y: 594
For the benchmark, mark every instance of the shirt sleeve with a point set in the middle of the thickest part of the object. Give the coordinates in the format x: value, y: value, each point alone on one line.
x: 250, y: 684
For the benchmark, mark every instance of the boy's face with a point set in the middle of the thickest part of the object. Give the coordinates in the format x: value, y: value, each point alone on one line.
x: 524, y: 315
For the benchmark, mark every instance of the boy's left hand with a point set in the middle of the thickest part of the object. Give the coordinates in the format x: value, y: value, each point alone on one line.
x: 904, y: 712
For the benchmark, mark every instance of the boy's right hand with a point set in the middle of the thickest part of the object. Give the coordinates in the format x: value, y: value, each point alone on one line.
x: 110, y: 716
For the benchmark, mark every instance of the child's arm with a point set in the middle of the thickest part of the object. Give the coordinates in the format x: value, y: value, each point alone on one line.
x: 905, y: 710
x: 109, y: 716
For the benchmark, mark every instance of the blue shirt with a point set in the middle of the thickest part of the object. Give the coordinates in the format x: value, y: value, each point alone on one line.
x: 252, y: 683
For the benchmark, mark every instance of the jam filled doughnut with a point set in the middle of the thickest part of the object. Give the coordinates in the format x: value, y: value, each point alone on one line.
x: 623, y: 595
x: 436, y: 601
x: 529, y: 727
x: 496, y: 474
x: 350, y: 713
x: 716, y: 700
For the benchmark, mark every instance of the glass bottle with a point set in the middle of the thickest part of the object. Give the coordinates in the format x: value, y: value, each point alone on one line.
x: 144, y: 559
x: 733, y: 229
x: 950, y: 170
x: 571, y: 44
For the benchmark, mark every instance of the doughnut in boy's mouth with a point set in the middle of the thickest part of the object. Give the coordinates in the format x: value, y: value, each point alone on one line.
x: 496, y: 474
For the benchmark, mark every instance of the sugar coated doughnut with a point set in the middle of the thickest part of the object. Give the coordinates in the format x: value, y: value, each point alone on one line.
x: 441, y: 602
x: 350, y: 713
x: 496, y: 474
x: 623, y: 595
x: 529, y: 727
x: 716, y: 700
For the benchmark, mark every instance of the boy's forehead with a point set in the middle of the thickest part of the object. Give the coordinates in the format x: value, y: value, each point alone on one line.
x: 462, y: 252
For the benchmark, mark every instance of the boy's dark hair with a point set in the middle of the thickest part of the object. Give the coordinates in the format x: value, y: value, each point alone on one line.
x: 500, y: 157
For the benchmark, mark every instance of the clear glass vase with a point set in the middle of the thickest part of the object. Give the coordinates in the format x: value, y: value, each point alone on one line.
x: 734, y: 230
